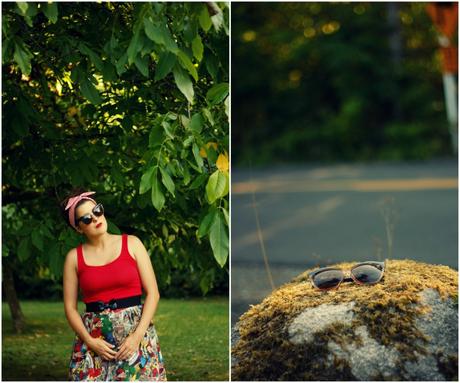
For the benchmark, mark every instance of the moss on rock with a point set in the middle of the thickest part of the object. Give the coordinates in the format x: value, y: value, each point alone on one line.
x: 386, y: 314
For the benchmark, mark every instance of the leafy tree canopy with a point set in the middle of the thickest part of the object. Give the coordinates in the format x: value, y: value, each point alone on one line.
x: 129, y: 100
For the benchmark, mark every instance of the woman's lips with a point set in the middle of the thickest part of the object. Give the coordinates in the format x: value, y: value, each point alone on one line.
x: 98, y: 225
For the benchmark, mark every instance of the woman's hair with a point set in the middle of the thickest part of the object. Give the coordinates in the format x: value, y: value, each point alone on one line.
x: 63, y: 204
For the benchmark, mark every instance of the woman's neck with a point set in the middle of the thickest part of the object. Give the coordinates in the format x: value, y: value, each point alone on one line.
x: 99, y: 242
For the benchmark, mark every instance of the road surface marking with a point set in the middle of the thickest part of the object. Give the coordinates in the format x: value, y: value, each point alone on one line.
x: 296, y: 186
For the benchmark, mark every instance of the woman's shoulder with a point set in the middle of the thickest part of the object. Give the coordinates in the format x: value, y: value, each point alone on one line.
x: 134, y: 243
x: 72, y: 257
x: 133, y: 239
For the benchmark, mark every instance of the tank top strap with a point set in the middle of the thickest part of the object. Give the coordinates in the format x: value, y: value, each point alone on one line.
x: 80, y: 262
x: 124, y: 245
x: 125, y: 253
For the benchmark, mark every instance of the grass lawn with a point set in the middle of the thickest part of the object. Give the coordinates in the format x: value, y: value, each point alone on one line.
x: 193, y: 336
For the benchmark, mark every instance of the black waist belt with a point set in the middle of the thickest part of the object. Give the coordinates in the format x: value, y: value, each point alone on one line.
x: 122, y: 303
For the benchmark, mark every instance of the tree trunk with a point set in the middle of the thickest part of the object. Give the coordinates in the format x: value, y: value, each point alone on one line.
x: 12, y: 299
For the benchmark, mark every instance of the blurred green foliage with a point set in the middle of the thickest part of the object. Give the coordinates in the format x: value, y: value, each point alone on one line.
x: 335, y: 81
x: 119, y: 98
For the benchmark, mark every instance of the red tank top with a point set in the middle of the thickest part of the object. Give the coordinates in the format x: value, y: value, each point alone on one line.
x: 117, y: 279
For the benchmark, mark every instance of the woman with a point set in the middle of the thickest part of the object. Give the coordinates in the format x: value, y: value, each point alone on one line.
x: 115, y: 338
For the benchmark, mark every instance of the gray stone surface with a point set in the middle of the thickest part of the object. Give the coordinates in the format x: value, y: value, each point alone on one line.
x: 442, y: 330
x: 366, y: 357
x: 304, y: 327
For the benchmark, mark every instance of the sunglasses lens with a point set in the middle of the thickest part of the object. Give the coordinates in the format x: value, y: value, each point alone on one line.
x: 328, y: 279
x: 86, y: 219
x: 98, y: 210
x: 367, y: 273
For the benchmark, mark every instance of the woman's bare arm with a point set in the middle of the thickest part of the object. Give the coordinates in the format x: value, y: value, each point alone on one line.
x: 149, y: 283
x: 70, y: 284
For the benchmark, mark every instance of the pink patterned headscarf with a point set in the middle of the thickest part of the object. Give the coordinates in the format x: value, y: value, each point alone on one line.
x: 73, y: 202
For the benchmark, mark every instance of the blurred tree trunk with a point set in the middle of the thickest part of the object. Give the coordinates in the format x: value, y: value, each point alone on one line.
x: 395, y: 44
x: 12, y: 299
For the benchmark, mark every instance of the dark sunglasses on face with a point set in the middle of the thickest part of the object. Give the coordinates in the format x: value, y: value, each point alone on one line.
x: 363, y: 273
x: 98, y: 210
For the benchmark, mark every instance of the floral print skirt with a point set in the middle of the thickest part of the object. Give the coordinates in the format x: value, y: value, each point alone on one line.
x: 114, y: 326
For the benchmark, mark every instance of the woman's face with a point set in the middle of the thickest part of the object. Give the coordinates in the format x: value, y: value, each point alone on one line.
x: 97, y: 226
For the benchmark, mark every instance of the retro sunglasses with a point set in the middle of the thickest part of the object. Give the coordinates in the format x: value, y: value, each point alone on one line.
x: 364, y: 273
x: 98, y: 210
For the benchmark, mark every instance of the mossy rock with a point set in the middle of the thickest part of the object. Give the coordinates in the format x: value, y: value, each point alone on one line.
x: 403, y: 328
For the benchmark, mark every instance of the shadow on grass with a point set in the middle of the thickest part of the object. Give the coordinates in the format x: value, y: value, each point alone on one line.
x: 193, y: 337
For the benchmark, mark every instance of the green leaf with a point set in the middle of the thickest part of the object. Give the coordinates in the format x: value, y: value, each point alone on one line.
x: 188, y: 141
x: 51, y: 12
x: 185, y: 121
x: 121, y: 64
x: 205, y: 19
x: 187, y: 64
x: 207, y: 221
x: 208, y: 115
x: 196, y: 123
x: 23, y: 6
x: 56, y: 260
x: 28, y: 10
x: 6, y: 49
x: 95, y: 59
x: 5, y: 250
x: 153, y: 32
x: 170, y: 44
x: 22, y: 56
x: 212, y: 65
x: 112, y: 228
x: 146, y: 181
x: 24, y: 249
x: 156, y: 136
x: 109, y: 72
x: 227, y: 218
x: 167, y: 128
x: 216, y: 186
x: 198, y: 181
x: 37, y: 240
x: 135, y: 46
x: 196, y: 154
x: 205, y: 284
x: 186, y: 175
x: 165, y: 65
x: 142, y: 64
x: 197, y: 48
x: 158, y: 198
x: 184, y: 83
x: 211, y: 154
x: 227, y: 106
x: 219, y: 240
x: 167, y: 181
x: 227, y: 183
x: 46, y: 232
x: 160, y: 34
x: 217, y: 93
x: 89, y: 91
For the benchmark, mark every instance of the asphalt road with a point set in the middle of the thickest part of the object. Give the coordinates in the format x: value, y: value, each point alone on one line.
x: 318, y: 215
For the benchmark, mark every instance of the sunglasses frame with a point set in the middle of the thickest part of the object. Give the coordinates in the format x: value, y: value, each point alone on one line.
x: 91, y: 215
x: 352, y: 278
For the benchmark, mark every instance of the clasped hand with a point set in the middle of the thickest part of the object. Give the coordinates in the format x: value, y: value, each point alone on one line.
x: 105, y: 350
x: 128, y: 347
